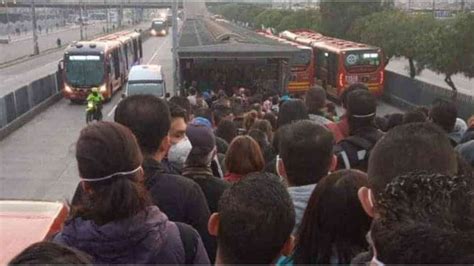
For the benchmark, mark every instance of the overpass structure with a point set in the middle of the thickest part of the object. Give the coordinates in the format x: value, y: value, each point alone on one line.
x: 91, y: 4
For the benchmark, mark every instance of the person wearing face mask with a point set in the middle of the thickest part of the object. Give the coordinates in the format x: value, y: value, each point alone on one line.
x: 180, y: 144
x: 181, y: 199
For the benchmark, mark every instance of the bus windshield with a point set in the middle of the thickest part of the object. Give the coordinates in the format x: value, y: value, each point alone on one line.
x: 362, y: 59
x: 302, y: 58
x: 158, y: 25
x: 85, y: 70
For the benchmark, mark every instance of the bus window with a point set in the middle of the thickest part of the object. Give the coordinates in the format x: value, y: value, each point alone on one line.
x: 140, y: 45
x: 332, y: 69
x: 135, y: 50
x: 125, y: 48
x: 116, y: 63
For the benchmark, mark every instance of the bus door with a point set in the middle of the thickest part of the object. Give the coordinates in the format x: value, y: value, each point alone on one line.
x: 332, y: 73
x: 115, y: 70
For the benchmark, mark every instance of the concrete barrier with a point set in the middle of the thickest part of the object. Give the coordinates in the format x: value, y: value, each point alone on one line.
x: 406, y: 92
x: 20, y: 106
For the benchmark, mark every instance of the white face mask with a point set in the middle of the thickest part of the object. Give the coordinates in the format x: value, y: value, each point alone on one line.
x: 179, y: 152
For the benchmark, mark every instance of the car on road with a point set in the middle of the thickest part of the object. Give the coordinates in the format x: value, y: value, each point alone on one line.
x: 146, y: 79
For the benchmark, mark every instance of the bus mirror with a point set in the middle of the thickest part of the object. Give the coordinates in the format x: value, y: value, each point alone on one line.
x: 109, y: 69
x: 167, y: 95
x: 61, y: 65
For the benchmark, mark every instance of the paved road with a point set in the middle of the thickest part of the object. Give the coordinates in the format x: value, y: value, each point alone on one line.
x: 21, y: 74
x: 37, y: 161
x: 463, y: 84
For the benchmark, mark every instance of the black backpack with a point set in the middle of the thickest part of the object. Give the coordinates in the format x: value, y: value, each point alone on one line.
x: 349, y: 153
x: 189, y: 238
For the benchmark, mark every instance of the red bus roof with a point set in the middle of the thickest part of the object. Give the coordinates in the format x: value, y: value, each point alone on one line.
x: 23, y: 223
x: 281, y: 40
x: 317, y: 40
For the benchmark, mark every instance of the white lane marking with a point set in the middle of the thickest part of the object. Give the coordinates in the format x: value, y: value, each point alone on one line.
x: 113, y: 110
x: 157, y: 50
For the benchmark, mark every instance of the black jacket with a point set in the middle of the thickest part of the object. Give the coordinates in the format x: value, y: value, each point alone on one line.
x: 353, y: 152
x: 181, y: 199
x: 212, y: 186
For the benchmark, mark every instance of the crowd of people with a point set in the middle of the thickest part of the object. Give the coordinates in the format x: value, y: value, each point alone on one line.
x: 268, y: 179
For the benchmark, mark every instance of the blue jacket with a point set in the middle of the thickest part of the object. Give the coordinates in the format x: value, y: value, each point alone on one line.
x: 147, y: 238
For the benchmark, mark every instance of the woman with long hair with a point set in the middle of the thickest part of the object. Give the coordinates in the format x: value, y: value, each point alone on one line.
x: 115, y: 222
x: 334, y: 225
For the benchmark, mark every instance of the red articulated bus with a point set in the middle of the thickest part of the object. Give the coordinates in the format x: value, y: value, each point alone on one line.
x: 340, y: 63
x: 302, y: 66
x: 103, y: 63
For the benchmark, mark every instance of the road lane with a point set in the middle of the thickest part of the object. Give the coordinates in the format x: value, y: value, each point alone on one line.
x: 37, y: 161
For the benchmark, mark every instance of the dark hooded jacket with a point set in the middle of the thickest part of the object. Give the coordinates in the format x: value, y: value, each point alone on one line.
x: 147, y: 238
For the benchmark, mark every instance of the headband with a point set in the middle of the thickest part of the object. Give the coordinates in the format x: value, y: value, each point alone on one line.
x: 364, y: 116
x: 112, y: 175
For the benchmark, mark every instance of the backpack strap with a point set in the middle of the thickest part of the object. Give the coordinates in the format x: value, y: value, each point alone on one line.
x: 359, y: 151
x: 189, y: 238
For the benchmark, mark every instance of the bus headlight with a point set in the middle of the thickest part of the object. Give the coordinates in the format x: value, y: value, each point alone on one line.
x: 103, y: 88
x: 153, y: 32
x: 67, y: 88
x: 163, y: 32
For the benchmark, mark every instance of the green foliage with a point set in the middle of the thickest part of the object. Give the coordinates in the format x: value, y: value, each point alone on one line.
x: 271, y: 17
x: 449, y: 48
x: 301, y: 19
x: 338, y: 16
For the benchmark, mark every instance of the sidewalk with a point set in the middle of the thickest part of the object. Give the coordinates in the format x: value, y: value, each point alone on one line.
x: 29, y: 35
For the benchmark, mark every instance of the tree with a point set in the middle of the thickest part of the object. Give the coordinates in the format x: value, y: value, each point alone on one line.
x: 301, y: 19
x: 396, y: 32
x: 271, y: 17
x: 449, y: 49
x: 338, y: 16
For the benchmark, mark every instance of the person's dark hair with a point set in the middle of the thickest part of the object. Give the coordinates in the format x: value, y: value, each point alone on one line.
x: 257, y: 107
x: 265, y: 127
x: 351, y: 88
x: 220, y: 112
x: 306, y: 150
x: 315, y: 100
x: 192, y: 91
x: 334, y: 223
x: 428, y: 197
x: 244, y: 156
x: 256, y: 219
x: 270, y: 117
x: 407, y: 148
x: 423, y: 109
x: 381, y: 123
x: 105, y: 148
x: 184, y: 103
x: 260, y: 137
x: 226, y: 130
x: 444, y: 114
x: 430, y: 213
x: 291, y: 111
x: 414, y: 116
x: 394, y: 120
x: 177, y: 112
x: 149, y: 119
x: 361, y: 109
x: 50, y: 253
x: 415, y: 243
x: 275, y: 100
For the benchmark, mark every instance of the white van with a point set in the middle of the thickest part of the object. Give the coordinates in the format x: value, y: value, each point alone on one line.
x: 146, y: 79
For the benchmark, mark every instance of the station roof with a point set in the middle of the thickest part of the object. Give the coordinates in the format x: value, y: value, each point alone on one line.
x: 205, y: 38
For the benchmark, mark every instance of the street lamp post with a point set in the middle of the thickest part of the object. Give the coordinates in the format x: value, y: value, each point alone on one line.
x: 35, y: 34
x: 175, y: 47
x: 81, y: 22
